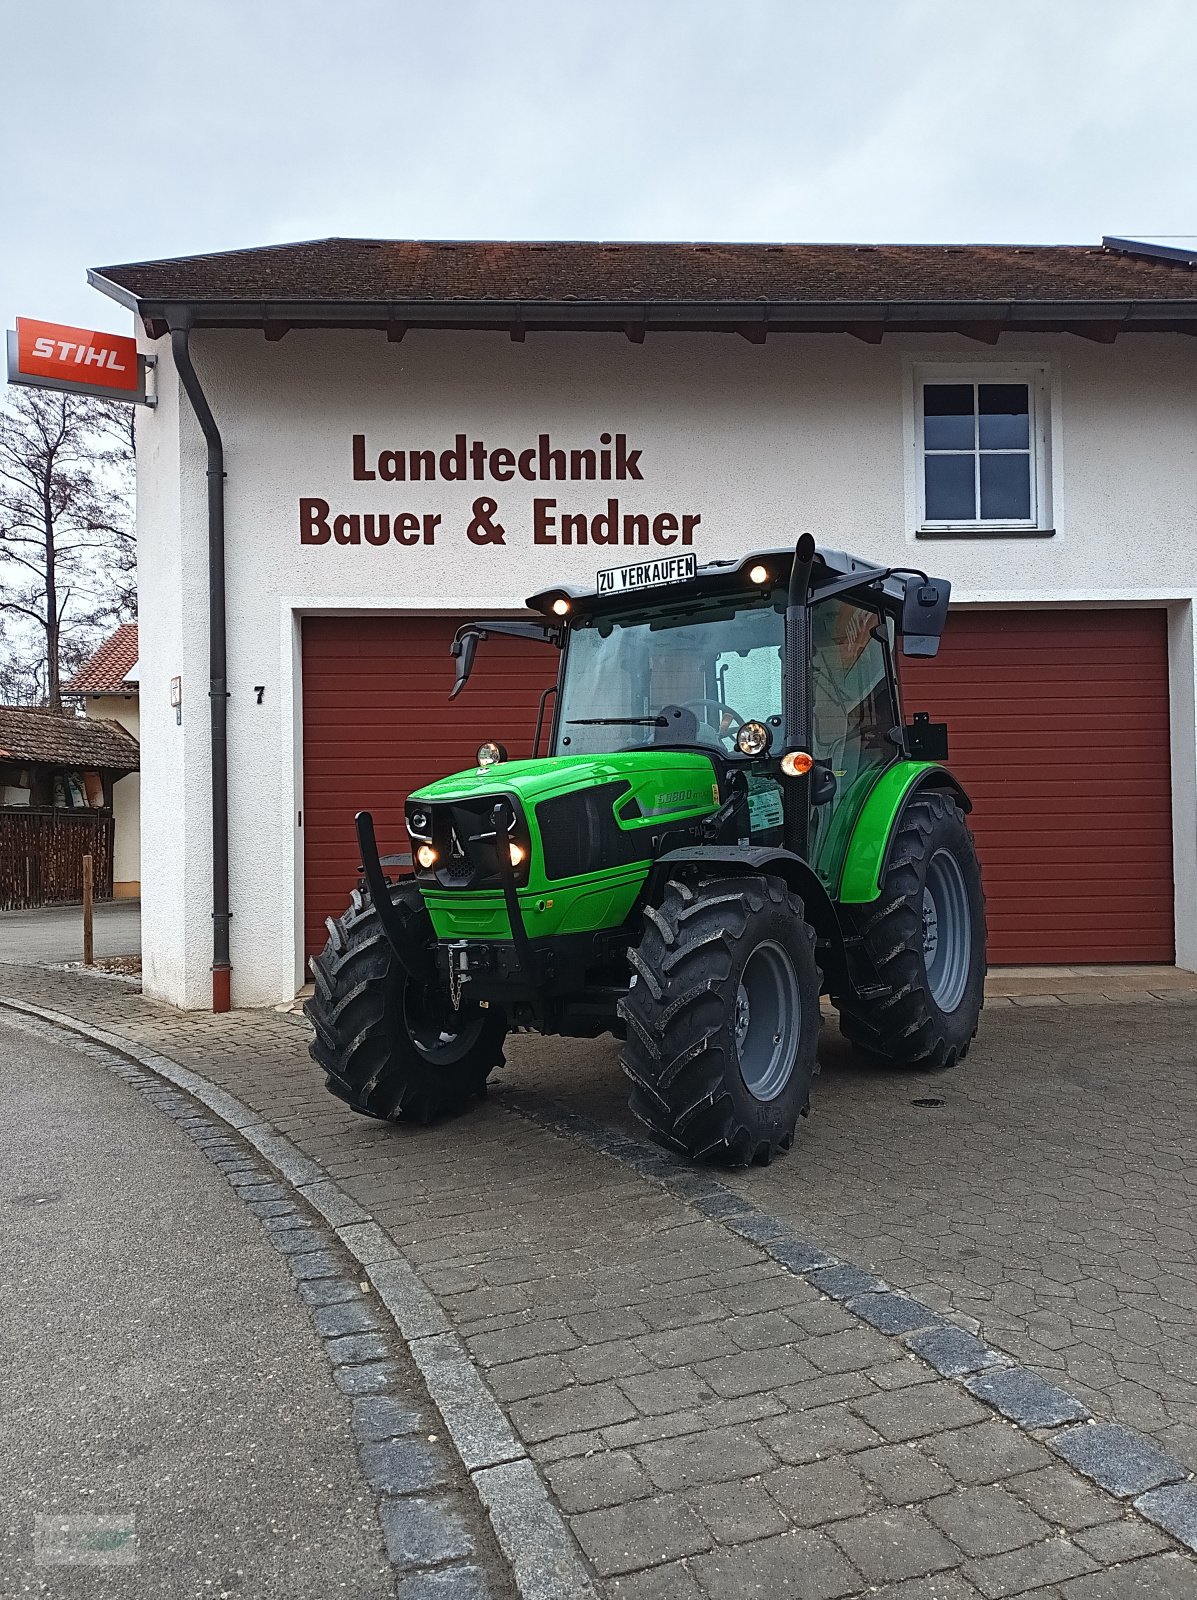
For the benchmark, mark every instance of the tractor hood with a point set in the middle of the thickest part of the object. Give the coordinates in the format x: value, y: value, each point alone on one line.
x: 663, y: 784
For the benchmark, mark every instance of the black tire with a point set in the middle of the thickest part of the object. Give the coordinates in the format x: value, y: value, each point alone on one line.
x: 384, y: 1040
x: 930, y: 1016
x: 691, y: 1051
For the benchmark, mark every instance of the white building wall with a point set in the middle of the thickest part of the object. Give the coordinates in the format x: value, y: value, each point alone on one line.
x: 763, y: 442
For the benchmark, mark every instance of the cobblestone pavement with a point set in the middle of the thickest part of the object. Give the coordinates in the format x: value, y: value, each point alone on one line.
x: 712, y: 1424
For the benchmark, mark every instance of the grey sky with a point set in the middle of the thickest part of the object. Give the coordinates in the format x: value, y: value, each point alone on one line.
x: 142, y: 128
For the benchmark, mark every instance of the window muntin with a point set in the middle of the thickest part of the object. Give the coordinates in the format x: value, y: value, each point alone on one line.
x: 669, y: 657
x: 980, y: 461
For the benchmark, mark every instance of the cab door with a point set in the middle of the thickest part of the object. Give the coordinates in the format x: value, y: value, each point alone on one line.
x: 854, y: 715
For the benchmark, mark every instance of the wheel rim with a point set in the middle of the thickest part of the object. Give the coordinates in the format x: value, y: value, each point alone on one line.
x: 438, y: 1034
x: 947, y: 931
x: 768, y: 1021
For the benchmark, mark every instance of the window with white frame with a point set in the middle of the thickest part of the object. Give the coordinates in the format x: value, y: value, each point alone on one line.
x: 981, y: 448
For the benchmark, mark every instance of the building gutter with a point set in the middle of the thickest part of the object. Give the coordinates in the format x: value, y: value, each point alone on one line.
x: 222, y: 968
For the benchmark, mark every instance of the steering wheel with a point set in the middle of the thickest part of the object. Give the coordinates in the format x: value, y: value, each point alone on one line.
x: 721, y: 706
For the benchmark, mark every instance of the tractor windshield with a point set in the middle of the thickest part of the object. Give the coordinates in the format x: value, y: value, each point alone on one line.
x: 680, y: 674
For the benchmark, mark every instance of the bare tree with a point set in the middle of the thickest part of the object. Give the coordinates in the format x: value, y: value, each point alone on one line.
x: 67, y: 552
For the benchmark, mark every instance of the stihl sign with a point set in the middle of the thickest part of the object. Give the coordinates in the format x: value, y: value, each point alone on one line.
x: 49, y: 355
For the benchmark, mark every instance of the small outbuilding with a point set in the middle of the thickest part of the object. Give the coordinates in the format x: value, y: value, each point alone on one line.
x: 57, y: 777
x: 108, y: 691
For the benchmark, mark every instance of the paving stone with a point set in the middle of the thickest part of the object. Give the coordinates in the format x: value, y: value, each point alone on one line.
x: 1174, y: 1508
x: 1120, y: 1460
x: 616, y: 1358
x: 380, y: 1417
x: 893, y: 1312
x: 952, y: 1351
x: 1026, y: 1398
x: 850, y: 1351
x: 1124, y: 1540
x: 715, y: 1414
x: 756, y: 1371
x: 1065, y: 1499
x: 985, y: 1453
x: 712, y: 1457
x: 843, y: 1283
x: 893, y: 1544
x: 938, y: 1586
x: 797, y: 1255
x: 449, y: 1583
x: 592, y: 1327
x: 903, y: 1473
x: 756, y: 1225
x: 984, y: 1521
x: 1167, y: 1577
x: 807, y: 1435
x: 1033, y: 1567
x: 520, y: 1340
x: 640, y: 1533
x: 825, y: 1390
x: 912, y: 1413
x: 347, y: 1316
x: 758, y: 1331
x: 820, y: 1492
x: 585, y: 1406
x: 671, y: 1582
x: 901, y: 1374
x: 674, y: 1389
x: 684, y: 1347
x: 328, y: 1291
x: 369, y: 1378
x: 590, y: 1483
x: 543, y: 1555
x: 355, y: 1348
x: 803, y: 1565
x: 420, y: 1532
x: 404, y: 1466
x: 520, y: 1380
x: 318, y: 1264
x: 295, y: 1241
x: 738, y: 1512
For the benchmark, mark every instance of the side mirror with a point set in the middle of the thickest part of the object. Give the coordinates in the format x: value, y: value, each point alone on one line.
x: 465, y: 649
x: 924, y: 613
x: 823, y: 784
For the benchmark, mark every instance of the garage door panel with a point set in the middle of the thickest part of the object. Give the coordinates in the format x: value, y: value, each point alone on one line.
x: 378, y: 723
x: 1058, y: 728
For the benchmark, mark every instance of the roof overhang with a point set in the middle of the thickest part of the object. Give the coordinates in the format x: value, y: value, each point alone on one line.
x: 983, y: 320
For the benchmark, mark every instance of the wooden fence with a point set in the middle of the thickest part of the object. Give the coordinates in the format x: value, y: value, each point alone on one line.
x: 41, y: 856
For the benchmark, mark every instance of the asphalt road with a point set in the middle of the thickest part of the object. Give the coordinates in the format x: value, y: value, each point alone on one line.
x: 55, y: 933
x: 167, y: 1414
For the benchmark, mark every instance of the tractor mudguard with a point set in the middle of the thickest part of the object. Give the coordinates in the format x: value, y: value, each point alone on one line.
x: 869, y: 847
x: 799, y: 875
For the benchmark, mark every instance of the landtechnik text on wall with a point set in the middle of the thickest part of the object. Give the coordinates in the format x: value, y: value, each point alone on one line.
x: 541, y: 519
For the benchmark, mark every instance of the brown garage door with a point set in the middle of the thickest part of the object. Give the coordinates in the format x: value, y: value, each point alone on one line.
x: 377, y: 723
x: 1058, y: 723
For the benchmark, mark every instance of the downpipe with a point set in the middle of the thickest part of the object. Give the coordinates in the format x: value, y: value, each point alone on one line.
x: 222, y: 968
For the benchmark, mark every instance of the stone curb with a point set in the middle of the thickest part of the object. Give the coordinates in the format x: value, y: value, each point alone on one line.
x: 530, y: 1531
x: 1123, y: 1462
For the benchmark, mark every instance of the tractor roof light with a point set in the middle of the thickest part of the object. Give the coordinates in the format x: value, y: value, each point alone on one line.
x: 489, y: 753
x: 754, y: 738
x: 796, y: 763
x: 758, y: 575
x: 560, y: 606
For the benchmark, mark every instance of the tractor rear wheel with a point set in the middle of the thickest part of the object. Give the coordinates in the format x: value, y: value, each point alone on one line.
x: 393, y: 1047
x: 723, y: 1019
x: 926, y: 936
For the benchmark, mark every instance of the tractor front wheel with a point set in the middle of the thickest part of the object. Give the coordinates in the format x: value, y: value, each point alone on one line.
x: 723, y: 1019
x: 926, y: 935
x: 392, y: 1046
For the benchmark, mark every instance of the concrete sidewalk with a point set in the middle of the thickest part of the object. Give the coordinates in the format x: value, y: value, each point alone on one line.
x: 715, y: 1413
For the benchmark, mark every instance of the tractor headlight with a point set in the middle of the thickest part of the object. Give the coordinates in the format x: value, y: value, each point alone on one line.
x: 418, y: 825
x: 754, y: 739
x: 518, y: 854
x: 426, y: 856
x: 489, y: 753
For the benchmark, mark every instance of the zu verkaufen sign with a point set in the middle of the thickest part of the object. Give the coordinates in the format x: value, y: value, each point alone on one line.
x: 521, y: 512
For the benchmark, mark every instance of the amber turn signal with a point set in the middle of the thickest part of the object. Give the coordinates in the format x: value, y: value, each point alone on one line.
x: 426, y: 856
x: 796, y: 763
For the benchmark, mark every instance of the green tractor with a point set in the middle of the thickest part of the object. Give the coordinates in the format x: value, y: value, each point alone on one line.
x: 731, y: 820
